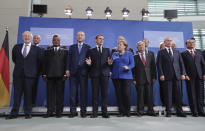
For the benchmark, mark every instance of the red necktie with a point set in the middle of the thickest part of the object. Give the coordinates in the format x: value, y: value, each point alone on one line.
x: 192, y: 54
x: 143, y: 59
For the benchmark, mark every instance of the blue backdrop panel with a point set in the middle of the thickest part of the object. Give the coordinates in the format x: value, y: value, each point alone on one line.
x: 132, y: 30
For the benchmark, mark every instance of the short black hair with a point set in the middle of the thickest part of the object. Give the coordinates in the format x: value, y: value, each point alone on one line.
x: 190, y: 39
x: 98, y: 36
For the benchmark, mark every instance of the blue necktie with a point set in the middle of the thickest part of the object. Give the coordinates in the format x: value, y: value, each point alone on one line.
x: 79, y: 48
x: 25, y: 51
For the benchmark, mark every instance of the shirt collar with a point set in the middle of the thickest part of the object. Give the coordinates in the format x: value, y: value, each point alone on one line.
x: 29, y: 44
x: 80, y: 44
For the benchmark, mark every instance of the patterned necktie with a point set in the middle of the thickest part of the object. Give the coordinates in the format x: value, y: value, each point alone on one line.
x: 25, y: 50
x: 143, y: 59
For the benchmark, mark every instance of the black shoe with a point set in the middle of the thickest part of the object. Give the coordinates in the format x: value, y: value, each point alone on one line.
x: 83, y: 115
x: 195, y: 114
x: 128, y: 114
x: 138, y: 114
x: 202, y: 114
x: 48, y: 115
x: 168, y: 115
x: 58, y: 115
x: 28, y: 116
x: 73, y: 115
x: 151, y: 113
x: 105, y: 115
x: 181, y: 114
x: 94, y: 115
x: 120, y: 115
x: 11, y: 117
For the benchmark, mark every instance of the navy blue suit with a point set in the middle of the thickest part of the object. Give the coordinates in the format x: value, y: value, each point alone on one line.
x: 78, y: 76
x: 195, y: 69
x: 99, y: 73
x: 25, y: 72
x: 172, y: 68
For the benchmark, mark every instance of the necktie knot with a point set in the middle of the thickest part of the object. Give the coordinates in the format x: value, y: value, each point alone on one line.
x: 192, y: 53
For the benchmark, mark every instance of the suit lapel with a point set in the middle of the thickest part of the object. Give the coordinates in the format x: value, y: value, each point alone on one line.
x: 140, y: 60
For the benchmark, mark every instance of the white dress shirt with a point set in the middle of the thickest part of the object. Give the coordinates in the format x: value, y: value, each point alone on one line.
x: 28, y: 48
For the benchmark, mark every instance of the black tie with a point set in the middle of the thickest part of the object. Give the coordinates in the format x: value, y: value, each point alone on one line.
x: 170, y: 53
x: 99, y: 50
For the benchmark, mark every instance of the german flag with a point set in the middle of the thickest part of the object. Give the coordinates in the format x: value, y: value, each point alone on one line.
x: 4, y: 73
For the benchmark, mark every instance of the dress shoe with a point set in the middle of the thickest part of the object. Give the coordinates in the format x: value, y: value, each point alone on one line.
x: 168, y: 115
x: 138, y: 114
x: 105, y: 115
x: 83, y: 115
x: 47, y: 115
x: 202, y: 114
x: 28, y: 116
x: 181, y: 114
x: 94, y: 115
x: 152, y: 113
x: 195, y: 114
x: 58, y: 115
x: 128, y: 114
x: 120, y: 115
x: 11, y: 117
x: 73, y: 115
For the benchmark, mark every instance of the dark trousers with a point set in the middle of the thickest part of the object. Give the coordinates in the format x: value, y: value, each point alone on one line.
x: 168, y: 90
x: 144, y: 91
x: 122, y: 89
x: 22, y: 85
x: 195, y: 95
x: 55, y: 86
x: 75, y: 81
x: 34, y: 91
x: 100, y: 84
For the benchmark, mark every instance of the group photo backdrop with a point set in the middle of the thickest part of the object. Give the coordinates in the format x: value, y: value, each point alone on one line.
x: 132, y: 30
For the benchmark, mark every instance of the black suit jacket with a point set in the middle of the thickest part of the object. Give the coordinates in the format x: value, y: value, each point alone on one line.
x: 76, y: 60
x: 55, y: 62
x: 194, y: 67
x: 141, y: 73
x: 28, y: 66
x: 168, y: 67
x: 99, y: 65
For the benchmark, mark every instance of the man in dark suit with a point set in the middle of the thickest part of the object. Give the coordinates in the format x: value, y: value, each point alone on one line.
x: 195, y: 69
x: 36, y: 41
x: 97, y: 59
x: 26, y: 58
x: 171, y: 71
x: 77, y: 70
x: 144, y: 74
x: 54, y: 73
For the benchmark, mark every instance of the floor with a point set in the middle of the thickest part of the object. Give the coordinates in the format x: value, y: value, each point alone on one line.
x: 145, y: 123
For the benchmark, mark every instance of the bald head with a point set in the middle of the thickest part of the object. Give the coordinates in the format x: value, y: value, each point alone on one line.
x: 168, y: 42
x: 36, y: 39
